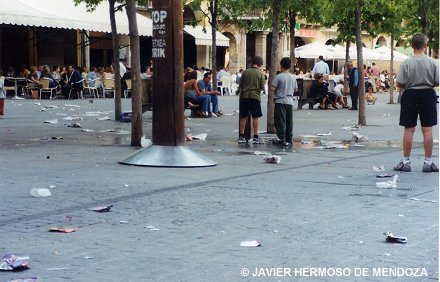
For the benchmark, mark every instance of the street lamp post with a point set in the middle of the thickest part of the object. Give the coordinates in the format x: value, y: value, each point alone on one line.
x: 168, y: 105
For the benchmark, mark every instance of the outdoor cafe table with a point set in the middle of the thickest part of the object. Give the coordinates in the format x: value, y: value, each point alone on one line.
x: 16, y: 79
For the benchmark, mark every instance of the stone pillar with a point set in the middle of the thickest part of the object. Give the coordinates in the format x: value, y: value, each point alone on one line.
x: 86, y: 40
x: 260, y: 45
x: 124, y: 42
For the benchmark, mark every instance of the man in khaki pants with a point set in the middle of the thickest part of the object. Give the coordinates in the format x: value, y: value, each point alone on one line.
x: 375, y: 73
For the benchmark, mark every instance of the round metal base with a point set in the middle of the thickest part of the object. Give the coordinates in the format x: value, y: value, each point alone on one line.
x: 167, y: 156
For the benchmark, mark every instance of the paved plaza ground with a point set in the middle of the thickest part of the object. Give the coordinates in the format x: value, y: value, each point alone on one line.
x: 318, y: 213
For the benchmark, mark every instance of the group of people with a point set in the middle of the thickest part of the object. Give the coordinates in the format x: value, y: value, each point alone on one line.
x: 199, y: 94
x: 418, y: 76
x: 378, y: 80
x: 69, y: 78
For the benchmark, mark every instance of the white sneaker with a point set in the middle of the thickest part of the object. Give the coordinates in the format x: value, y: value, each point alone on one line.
x: 213, y: 115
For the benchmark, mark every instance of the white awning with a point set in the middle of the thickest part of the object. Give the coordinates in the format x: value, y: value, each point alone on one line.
x: 64, y: 14
x: 203, y: 36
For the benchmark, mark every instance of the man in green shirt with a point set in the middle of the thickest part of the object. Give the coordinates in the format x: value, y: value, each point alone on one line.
x: 251, y: 83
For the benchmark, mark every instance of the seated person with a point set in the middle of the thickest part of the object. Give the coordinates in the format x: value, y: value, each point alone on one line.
x: 205, y: 87
x: 34, y: 82
x: 337, y: 90
x: 193, y: 95
x: 124, y: 78
x: 92, y: 78
x: 74, y: 82
x: 370, y: 98
x: 320, y: 90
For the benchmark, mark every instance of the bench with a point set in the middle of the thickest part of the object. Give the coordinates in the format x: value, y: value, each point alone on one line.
x: 147, y: 95
x: 303, y: 94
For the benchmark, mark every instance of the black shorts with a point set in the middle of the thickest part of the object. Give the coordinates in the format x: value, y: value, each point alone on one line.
x: 251, y: 106
x: 418, y: 102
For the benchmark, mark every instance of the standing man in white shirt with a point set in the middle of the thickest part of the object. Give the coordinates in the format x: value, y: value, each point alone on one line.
x: 321, y: 67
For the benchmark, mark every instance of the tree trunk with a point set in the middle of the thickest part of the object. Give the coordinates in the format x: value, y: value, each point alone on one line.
x: 292, y: 23
x: 273, y: 63
x: 136, y: 102
x: 213, y: 10
x: 362, y: 119
x: 115, y: 63
x: 347, y: 58
x: 391, y: 74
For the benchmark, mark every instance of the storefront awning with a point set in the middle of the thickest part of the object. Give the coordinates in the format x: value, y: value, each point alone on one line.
x: 203, y: 36
x: 64, y: 14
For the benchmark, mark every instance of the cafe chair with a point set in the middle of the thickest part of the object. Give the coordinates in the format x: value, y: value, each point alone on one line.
x: 76, y: 88
x: 45, y: 87
x: 108, y: 86
x: 225, y: 84
x: 91, y: 87
x: 126, y: 91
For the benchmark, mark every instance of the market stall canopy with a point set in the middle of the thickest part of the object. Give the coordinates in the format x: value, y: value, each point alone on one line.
x: 64, y: 14
x: 203, y: 36
x: 383, y: 53
x: 316, y: 49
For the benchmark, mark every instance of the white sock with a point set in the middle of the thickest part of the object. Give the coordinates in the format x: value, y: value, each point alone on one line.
x: 406, y: 160
x: 428, y: 161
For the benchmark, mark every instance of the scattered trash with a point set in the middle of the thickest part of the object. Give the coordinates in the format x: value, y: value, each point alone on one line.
x: 104, y: 118
x: 38, y: 104
x: 145, y: 142
x: 189, y: 137
x: 254, y: 243
x: 30, y: 279
x: 387, y: 254
x: 384, y: 175
x: 200, y: 137
x: 422, y: 200
x: 87, y: 130
x: 126, y: 185
x: 92, y: 114
x: 152, y: 228
x: 273, y: 159
x: 51, y: 121
x: 57, y: 268
x: 102, y: 208
x: 74, y: 125
x: 91, y: 101
x: 71, y: 105
x: 87, y: 257
x: 123, y: 221
x: 352, y: 128
x: 359, y: 145
x: 275, y: 231
x: 40, y: 192
x: 340, y: 176
x: 359, y: 138
x: 62, y: 229
x: 324, y: 134
x: 125, y: 117
x: 117, y: 131
x: 52, y: 186
x: 47, y: 157
x: 386, y: 115
x: 379, y: 168
x: 11, y: 262
x: 401, y: 215
x: 388, y: 184
x: 262, y: 153
x: 390, y: 238
x: 72, y: 118
x: 57, y: 138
